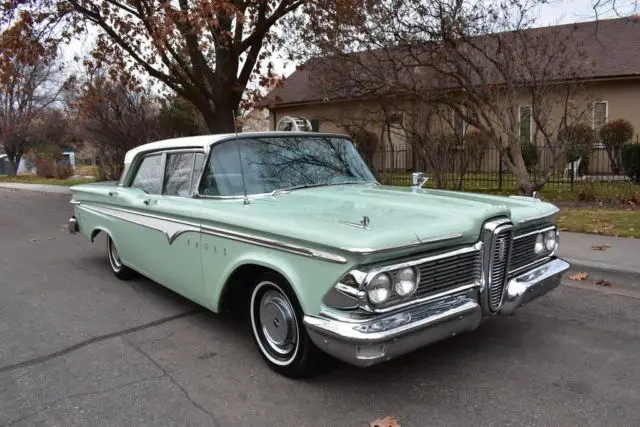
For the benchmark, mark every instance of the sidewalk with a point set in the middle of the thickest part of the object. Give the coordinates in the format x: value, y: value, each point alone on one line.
x: 622, y: 256
x: 41, y: 188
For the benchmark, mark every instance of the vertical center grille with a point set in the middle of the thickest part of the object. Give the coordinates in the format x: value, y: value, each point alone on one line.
x: 498, y: 263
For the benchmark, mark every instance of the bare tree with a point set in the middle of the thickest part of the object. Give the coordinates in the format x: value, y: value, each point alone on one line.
x: 480, y: 59
x: 209, y: 52
x: 29, y: 86
x: 114, y: 119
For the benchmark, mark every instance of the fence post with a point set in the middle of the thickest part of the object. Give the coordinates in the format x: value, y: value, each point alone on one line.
x: 499, y: 170
x: 572, y: 174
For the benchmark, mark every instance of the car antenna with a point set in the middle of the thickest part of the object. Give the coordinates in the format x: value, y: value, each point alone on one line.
x: 244, y: 184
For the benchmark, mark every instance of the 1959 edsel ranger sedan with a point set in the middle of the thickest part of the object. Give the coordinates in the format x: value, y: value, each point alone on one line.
x: 294, y: 229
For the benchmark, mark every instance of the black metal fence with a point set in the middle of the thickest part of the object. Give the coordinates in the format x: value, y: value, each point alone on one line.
x: 487, y: 171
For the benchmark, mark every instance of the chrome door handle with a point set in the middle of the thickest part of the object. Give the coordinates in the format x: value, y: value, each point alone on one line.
x: 149, y: 202
x: 113, y: 193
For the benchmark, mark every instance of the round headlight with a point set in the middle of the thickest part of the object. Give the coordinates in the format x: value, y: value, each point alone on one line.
x: 550, y: 241
x: 379, y: 290
x: 539, y: 247
x: 406, y: 282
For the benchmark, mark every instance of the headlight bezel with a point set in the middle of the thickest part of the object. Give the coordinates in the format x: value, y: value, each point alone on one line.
x: 551, y: 235
x: 416, y: 281
x: 373, y: 283
x: 394, y: 296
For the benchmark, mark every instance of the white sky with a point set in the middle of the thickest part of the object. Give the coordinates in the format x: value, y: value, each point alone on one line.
x: 554, y: 12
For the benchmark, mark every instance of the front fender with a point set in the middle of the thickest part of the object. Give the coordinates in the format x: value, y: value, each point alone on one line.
x: 309, y: 278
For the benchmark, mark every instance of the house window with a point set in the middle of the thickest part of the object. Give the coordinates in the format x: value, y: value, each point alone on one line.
x: 525, y: 123
x: 600, y: 118
x: 459, y: 125
x: 600, y: 114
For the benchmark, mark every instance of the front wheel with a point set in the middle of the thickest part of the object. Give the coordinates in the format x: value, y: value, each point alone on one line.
x: 120, y: 270
x: 278, y: 331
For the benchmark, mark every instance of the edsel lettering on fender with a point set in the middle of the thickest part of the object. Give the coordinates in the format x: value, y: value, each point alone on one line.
x: 293, y: 229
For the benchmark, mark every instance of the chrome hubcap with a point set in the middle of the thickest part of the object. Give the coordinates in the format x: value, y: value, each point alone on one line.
x: 113, y: 252
x: 278, y: 322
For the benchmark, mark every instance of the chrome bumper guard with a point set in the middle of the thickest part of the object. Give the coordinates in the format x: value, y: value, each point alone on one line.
x: 366, y: 343
x: 73, y: 225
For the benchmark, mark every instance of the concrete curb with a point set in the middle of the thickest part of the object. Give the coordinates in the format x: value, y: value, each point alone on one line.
x: 38, y: 188
x: 602, y: 266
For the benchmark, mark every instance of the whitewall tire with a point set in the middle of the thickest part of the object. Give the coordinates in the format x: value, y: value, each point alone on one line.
x: 278, y: 331
x: 120, y: 270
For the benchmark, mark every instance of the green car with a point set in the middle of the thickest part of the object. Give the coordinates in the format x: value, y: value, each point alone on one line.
x: 293, y: 229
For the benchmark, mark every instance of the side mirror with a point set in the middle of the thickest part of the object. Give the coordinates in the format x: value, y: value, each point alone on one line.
x: 418, y: 179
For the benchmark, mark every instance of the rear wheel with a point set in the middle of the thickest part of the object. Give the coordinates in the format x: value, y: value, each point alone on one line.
x: 120, y: 270
x: 278, y: 331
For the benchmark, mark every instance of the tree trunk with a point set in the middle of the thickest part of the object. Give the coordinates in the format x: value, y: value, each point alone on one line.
x: 220, y: 120
x: 14, y: 156
x: 523, y: 182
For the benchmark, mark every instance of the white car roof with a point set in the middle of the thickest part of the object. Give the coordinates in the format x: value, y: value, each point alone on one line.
x: 202, y: 141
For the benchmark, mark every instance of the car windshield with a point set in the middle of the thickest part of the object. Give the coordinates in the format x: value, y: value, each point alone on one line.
x: 281, y: 163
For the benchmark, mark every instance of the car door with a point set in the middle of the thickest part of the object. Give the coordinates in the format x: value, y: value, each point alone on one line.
x: 173, y: 256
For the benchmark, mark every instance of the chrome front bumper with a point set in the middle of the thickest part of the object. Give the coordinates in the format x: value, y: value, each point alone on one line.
x: 374, y: 340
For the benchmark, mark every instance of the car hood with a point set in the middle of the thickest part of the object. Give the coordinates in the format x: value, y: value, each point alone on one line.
x: 398, y: 216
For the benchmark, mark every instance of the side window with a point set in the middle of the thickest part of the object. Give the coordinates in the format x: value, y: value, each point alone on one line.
x: 179, y: 174
x: 149, y: 175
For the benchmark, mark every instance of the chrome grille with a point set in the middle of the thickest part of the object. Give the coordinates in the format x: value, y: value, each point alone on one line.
x: 523, y: 253
x: 500, y: 254
x: 448, y: 273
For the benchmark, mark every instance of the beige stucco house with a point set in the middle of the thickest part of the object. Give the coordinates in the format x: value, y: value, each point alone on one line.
x: 611, y: 84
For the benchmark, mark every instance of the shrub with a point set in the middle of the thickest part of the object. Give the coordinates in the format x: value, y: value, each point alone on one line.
x: 63, y: 171
x: 46, y: 168
x: 578, y: 141
x: 614, y: 135
x: 631, y: 162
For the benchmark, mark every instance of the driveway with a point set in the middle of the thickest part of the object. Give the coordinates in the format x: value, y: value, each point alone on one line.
x: 80, y: 348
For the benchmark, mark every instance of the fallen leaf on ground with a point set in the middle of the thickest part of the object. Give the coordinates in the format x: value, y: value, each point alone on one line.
x: 579, y: 276
x: 601, y: 247
x: 35, y: 239
x: 602, y: 282
x: 385, y: 422
x: 563, y: 229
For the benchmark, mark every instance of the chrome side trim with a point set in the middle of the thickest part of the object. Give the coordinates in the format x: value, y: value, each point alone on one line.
x: 475, y: 248
x: 74, y: 202
x: 526, y: 198
x: 171, y: 227
x: 541, y: 230
x: 372, y: 251
x: 274, y: 244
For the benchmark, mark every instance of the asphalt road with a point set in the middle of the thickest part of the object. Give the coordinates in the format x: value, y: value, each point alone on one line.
x: 80, y: 348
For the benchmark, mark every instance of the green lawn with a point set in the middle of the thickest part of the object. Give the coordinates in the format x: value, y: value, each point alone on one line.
x: 33, y: 179
x: 609, y: 222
